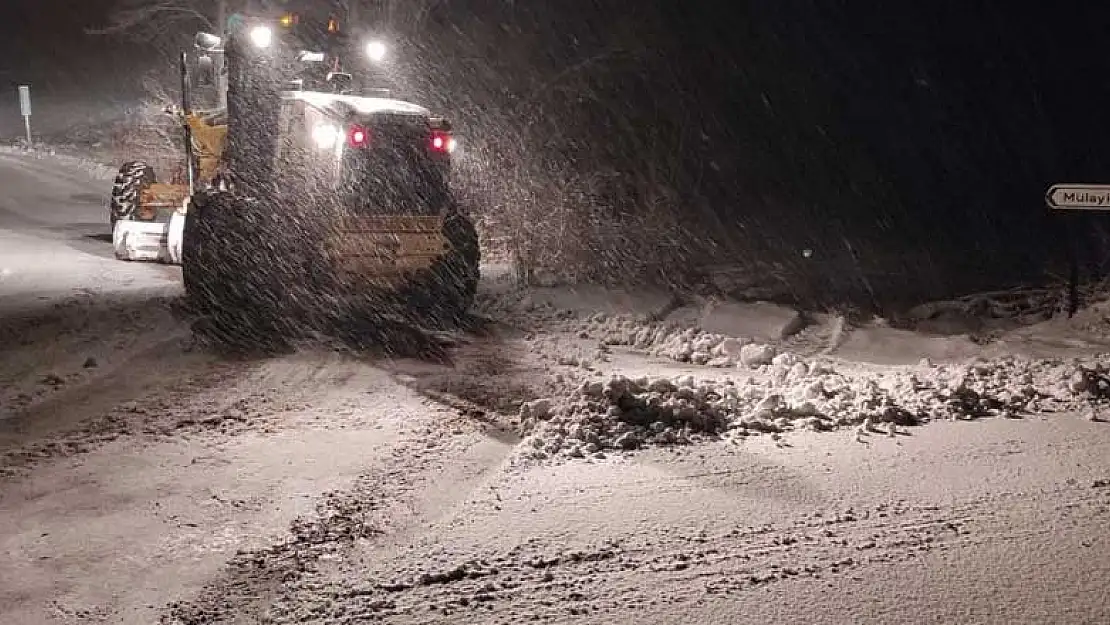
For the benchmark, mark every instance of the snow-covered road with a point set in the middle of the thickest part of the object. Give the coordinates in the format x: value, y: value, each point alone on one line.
x: 54, y: 235
x: 767, y: 469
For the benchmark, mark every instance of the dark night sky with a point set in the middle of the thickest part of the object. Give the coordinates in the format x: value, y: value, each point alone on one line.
x: 42, y: 42
x: 48, y: 36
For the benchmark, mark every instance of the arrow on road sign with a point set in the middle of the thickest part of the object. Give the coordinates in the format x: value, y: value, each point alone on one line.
x: 1078, y: 197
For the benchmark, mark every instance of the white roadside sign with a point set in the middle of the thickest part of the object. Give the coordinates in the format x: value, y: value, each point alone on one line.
x: 25, y: 100
x: 1078, y: 197
x: 25, y: 109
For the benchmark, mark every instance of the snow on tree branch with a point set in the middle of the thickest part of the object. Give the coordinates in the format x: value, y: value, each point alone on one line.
x: 144, y: 20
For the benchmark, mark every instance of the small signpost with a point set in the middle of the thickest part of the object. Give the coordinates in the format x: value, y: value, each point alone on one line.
x: 25, y: 109
x: 1076, y: 197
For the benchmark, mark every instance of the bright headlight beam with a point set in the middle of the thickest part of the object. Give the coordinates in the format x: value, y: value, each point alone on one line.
x: 377, y: 51
x: 325, y: 136
x: 262, y: 36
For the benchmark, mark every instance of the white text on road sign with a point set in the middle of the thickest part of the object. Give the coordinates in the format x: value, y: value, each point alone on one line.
x: 1079, y: 197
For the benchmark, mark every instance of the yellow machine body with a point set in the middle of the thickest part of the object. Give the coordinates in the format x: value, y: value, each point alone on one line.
x: 386, y: 248
x: 370, y: 251
x: 160, y: 199
x: 209, y: 133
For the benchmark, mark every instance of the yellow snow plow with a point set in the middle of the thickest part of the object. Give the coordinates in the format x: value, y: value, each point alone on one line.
x: 302, y: 202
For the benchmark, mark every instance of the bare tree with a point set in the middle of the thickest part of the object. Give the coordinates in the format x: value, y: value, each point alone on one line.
x: 148, y: 133
x: 147, y: 20
x: 152, y: 132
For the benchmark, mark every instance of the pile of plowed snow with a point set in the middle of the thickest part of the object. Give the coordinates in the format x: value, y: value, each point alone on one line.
x: 681, y: 344
x: 671, y: 340
x: 40, y: 152
x: 788, y: 393
x: 757, y: 388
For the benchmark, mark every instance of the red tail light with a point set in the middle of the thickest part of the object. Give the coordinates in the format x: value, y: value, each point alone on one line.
x: 358, y: 136
x: 442, y: 142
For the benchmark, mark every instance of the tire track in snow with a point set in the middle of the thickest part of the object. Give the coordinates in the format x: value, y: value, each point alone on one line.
x: 452, y: 436
x: 542, y: 582
x: 170, y: 393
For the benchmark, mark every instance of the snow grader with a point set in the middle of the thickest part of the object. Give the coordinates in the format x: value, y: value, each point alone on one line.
x: 304, y: 206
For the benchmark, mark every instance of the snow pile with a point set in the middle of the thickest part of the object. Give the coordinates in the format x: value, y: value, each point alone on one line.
x: 93, y: 168
x: 674, y: 339
x: 790, y: 394
x: 681, y: 344
x: 519, y: 306
x: 1091, y: 322
x: 622, y: 414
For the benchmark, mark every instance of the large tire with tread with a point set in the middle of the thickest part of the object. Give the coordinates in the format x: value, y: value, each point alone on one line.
x: 226, y: 275
x: 132, y: 178
x: 445, y: 293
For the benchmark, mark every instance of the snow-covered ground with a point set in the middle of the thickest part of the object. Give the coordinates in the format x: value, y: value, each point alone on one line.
x: 590, y: 456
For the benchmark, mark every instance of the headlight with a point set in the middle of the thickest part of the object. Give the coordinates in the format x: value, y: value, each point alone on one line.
x: 325, y: 136
x: 262, y: 36
x: 376, y: 50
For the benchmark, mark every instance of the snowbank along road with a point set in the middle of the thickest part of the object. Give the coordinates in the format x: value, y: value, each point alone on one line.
x: 588, y: 456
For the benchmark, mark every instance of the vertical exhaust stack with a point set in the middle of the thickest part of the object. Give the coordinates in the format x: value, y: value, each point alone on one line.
x: 255, y: 79
x: 186, y: 110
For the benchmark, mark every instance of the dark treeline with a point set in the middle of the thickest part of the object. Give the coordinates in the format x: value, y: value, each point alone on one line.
x: 909, y: 146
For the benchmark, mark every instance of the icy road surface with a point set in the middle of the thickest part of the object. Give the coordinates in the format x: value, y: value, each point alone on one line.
x: 54, y: 235
x: 756, y: 471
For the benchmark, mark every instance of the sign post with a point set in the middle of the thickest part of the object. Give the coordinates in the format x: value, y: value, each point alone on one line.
x: 1076, y: 197
x: 25, y: 109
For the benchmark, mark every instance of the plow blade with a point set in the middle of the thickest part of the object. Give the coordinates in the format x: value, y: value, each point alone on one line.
x: 149, y: 241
